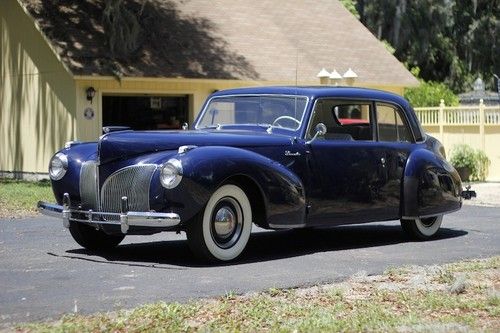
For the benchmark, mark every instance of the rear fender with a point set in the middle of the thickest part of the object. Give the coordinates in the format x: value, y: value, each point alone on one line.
x: 431, y: 186
x: 206, y: 168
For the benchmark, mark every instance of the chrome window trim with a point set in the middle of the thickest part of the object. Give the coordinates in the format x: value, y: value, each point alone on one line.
x: 202, y: 113
x: 370, y: 101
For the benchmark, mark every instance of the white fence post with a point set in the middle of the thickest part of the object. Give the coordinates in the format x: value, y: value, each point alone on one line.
x: 481, y: 123
x: 441, y: 120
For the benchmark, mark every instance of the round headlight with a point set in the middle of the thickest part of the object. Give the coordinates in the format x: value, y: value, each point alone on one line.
x: 58, y: 166
x: 171, y: 173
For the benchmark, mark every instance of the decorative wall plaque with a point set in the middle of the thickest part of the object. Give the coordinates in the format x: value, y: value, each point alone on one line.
x: 88, y: 113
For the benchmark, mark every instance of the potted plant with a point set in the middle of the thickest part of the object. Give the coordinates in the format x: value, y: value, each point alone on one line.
x: 471, y: 164
x: 462, y: 158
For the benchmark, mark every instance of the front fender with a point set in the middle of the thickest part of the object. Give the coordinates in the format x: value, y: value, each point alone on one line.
x: 431, y: 186
x: 207, y: 168
x: 70, y: 183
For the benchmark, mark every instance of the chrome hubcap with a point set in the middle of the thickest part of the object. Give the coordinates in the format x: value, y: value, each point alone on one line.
x: 226, y: 222
x: 428, y: 222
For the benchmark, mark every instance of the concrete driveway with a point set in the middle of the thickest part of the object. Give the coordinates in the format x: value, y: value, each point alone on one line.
x: 44, y: 273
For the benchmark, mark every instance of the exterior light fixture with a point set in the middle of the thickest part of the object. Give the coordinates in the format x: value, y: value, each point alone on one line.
x: 323, y: 76
x: 90, y: 94
x: 335, y: 77
x: 350, y: 76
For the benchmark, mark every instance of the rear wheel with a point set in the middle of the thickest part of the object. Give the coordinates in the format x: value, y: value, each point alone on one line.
x: 422, y: 228
x: 221, y: 231
x: 92, y: 239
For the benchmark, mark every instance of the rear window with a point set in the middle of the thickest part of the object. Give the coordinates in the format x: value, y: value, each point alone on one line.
x: 391, y: 125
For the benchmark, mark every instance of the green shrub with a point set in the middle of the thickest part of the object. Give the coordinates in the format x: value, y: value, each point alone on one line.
x: 429, y: 93
x: 464, y: 156
x: 483, y: 165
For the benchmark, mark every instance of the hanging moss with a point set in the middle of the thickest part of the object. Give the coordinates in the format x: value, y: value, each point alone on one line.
x: 122, y: 28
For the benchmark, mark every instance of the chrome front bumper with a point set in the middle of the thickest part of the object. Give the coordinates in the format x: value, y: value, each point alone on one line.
x: 124, y: 219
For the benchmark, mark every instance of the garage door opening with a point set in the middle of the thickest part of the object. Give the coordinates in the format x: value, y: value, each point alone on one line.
x: 145, y: 112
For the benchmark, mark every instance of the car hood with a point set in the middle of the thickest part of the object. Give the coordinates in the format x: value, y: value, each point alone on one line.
x: 122, y: 145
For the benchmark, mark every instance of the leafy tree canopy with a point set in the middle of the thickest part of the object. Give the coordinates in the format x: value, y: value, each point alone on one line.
x: 451, y: 41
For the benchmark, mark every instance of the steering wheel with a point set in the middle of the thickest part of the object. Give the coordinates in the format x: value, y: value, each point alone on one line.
x: 276, y: 121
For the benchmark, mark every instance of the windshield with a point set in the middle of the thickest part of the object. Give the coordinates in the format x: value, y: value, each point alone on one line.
x: 277, y: 111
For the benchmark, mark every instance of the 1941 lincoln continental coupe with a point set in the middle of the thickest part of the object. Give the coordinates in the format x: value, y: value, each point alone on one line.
x: 279, y: 157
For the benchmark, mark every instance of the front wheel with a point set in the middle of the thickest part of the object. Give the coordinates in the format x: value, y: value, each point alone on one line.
x: 92, y: 239
x: 221, y: 231
x: 422, y: 228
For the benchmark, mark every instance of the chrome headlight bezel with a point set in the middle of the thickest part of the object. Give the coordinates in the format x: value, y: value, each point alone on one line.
x: 171, y: 173
x: 58, y: 166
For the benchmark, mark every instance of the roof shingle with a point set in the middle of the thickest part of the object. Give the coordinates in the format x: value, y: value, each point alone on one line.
x: 265, y: 40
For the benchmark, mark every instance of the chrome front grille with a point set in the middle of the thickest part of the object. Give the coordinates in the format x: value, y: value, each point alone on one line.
x: 132, y: 182
x: 88, y: 185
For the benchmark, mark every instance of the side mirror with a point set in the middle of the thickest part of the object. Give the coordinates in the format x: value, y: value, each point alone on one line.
x: 320, y: 130
x: 185, y: 126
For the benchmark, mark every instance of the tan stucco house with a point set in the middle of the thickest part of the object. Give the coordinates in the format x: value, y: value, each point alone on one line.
x: 54, y: 53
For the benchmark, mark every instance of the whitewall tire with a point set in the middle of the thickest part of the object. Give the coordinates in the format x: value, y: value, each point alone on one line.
x: 221, y: 231
x: 422, y: 228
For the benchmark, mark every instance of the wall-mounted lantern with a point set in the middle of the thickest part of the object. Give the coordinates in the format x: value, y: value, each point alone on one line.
x: 350, y: 76
x: 90, y: 94
x: 335, y: 78
x: 323, y: 76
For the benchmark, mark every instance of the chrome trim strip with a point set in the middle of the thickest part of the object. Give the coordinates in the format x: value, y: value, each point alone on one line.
x: 287, y: 226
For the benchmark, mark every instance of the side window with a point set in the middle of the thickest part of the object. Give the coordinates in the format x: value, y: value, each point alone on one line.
x: 391, y: 126
x: 344, y: 120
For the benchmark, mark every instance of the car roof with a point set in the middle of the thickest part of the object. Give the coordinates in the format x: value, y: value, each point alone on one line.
x: 319, y: 92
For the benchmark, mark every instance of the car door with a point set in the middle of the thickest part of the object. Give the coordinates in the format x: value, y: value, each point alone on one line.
x: 353, y: 176
x: 395, y: 141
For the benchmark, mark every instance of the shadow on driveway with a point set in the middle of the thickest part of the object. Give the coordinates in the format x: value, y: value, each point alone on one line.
x: 263, y: 246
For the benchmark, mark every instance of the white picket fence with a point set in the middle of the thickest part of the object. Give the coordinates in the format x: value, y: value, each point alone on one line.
x: 459, y: 115
x: 476, y: 125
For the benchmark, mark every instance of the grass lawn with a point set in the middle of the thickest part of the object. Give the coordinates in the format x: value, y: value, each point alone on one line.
x: 459, y: 297
x: 19, y: 198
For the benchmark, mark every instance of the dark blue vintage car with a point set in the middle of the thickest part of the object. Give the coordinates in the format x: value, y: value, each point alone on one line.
x: 279, y: 157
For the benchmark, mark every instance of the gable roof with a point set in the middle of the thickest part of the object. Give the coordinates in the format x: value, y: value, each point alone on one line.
x: 263, y: 40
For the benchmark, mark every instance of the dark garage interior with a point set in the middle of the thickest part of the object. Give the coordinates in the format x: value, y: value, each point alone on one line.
x: 145, y: 112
